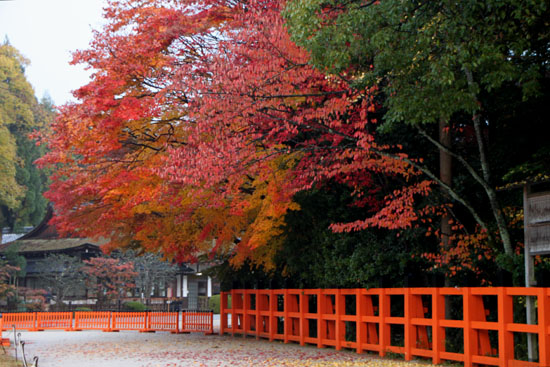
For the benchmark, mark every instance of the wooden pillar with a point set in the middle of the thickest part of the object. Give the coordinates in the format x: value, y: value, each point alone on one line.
x: 320, y: 312
x: 340, y: 332
x: 287, y: 323
x: 223, y: 313
x: 272, y: 317
x: 438, y: 332
x: 302, y: 304
x: 470, y: 347
x: 246, y: 308
x: 257, y: 313
x: 505, y: 337
x: 360, y: 326
x: 410, y: 339
x: 233, y: 316
x: 544, y: 321
x: 384, y: 312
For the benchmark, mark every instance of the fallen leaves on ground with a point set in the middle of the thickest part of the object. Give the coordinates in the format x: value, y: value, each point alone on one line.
x: 132, y: 349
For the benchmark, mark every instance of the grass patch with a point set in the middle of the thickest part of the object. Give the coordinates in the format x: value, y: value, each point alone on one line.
x: 8, y: 361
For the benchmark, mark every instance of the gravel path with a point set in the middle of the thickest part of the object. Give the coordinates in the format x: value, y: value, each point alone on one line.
x: 134, y: 349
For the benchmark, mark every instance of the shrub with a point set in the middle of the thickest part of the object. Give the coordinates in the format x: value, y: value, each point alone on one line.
x: 83, y: 309
x: 135, y: 306
x: 214, y: 303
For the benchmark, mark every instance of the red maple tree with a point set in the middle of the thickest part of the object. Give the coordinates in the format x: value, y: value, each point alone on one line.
x: 108, y: 278
x: 201, y: 122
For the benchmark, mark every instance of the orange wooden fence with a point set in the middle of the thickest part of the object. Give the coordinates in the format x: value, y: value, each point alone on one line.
x: 409, y: 321
x: 129, y: 321
x: 196, y: 321
x: 202, y: 321
x: 54, y: 320
x: 165, y: 321
x: 23, y: 320
x: 92, y: 321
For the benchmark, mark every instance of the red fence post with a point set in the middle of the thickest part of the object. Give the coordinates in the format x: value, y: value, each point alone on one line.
x: 246, y: 309
x: 408, y: 327
x: 257, y: 316
x: 77, y: 321
x: 438, y: 332
x: 340, y: 326
x: 233, y: 316
x: 384, y: 328
x: 287, y: 323
x: 544, y: 323
x: 34, y: 322
x: 272, y: 317
x: 372, y: 336
x: 320, y: 311
x: 223, y: 313
x: 303, y: 305
x: 469, y: 333
x: 505, y: 337
x: 360, y: 326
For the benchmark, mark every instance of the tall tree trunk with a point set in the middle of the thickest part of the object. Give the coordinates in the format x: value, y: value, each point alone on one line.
x: 446, y: 176
x: 491, y: 192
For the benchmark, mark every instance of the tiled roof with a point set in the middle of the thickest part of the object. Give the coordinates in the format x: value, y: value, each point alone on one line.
x: 44, y: 238
x: 59, y: 244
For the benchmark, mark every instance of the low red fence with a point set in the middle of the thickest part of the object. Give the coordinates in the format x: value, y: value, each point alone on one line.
x: 92, y: 321
x: 166, y: 321
x: 129, y: 321
x: 202, y: 321
x: 409, y: 321
x: 196, y: 321
x: 54, y: 320
x: 23, y: 320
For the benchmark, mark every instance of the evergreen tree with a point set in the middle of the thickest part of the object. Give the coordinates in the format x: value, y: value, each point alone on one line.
x: 21, y: 183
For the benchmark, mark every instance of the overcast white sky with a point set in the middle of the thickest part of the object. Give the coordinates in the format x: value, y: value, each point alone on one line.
x: 46, y: 32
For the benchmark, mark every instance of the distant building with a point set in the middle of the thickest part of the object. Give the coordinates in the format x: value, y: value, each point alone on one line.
x: 44, y: 240
x: 193, y: 287
x: 190, y: 289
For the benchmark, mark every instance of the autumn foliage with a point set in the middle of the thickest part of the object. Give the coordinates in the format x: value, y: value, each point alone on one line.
x: 7, y: 288
x: 109, y: 278
x: 201, y: 122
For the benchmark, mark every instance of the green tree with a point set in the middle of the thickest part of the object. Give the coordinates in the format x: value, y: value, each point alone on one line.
x: 435, y: 61
x: 12, y: 257
x: 21, y: 184
x: 7, y: 289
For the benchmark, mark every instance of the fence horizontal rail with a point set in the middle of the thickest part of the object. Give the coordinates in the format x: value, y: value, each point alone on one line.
x: 409, y: 321
x: 196, y: 321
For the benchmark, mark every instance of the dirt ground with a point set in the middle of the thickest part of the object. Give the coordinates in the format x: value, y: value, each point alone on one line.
x: 134, y: 349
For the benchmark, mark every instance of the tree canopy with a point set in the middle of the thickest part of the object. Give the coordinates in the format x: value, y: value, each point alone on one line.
x: 21, y: 183
x: 207, y: 126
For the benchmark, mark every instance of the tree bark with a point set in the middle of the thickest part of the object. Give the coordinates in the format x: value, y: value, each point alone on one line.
x: 490, y: 191
x: 445, y: 174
